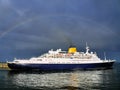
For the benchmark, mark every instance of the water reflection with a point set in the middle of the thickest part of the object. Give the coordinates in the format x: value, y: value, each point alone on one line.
x: 72, y: 80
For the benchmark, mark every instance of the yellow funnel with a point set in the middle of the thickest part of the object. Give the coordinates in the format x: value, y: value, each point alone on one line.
x: 72, y: 49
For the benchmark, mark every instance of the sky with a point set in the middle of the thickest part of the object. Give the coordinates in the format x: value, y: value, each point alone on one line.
x: 29, y: 28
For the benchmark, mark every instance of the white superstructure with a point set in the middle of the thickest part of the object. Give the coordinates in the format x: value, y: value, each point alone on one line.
x: 63, y: 57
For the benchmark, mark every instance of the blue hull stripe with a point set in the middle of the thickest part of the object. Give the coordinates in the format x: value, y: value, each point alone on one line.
x: 60, y: 66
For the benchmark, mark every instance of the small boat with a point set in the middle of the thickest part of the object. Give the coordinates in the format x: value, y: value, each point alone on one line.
x: 62, y: 60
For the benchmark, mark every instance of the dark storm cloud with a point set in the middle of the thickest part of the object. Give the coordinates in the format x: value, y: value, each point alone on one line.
x: 32, y: 25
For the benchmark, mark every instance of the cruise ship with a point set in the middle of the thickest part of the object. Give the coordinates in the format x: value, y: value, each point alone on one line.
x: 62, y: 60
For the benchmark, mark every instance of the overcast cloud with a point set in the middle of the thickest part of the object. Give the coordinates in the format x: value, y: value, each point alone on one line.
x: 30, y: 27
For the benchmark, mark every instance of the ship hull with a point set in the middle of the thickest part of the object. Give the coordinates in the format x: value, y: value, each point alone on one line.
x: 27, y: 66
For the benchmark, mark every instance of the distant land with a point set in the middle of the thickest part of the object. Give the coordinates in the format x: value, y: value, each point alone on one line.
x: 3, y: 65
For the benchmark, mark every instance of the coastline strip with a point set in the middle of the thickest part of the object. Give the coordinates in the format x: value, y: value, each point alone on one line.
x: 3, y: 65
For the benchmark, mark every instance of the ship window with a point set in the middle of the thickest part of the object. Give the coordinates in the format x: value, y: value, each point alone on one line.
x: 16, y: 61
x: 39, y: 59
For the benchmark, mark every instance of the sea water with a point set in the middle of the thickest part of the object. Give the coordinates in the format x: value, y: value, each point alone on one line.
x: 108, y: 79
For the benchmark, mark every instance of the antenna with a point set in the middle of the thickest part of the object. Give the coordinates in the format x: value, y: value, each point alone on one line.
x: 87, y: 48
x: 104, y: 56
x: 86, y: 44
